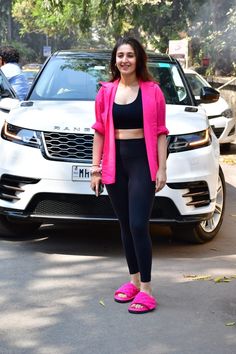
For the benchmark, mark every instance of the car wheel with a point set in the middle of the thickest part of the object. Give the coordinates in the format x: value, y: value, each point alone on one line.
x: 207, y: 229
x: 16, y: 228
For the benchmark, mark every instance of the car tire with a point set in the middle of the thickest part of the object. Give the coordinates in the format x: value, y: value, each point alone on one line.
x: 14, y: 228
x: 206, y: 230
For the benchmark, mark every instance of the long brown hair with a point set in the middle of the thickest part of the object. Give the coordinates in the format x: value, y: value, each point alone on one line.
x: 142, y: 72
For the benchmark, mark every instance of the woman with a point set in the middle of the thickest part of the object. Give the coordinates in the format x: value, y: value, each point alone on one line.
x: 130, y: 140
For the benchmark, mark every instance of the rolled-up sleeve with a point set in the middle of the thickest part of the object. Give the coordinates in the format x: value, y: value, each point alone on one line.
x: 162, y: 130
x: 161, y: 112
x: 99, y: 124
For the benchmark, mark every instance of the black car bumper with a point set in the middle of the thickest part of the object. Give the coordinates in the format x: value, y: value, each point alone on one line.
x: 49, y: 207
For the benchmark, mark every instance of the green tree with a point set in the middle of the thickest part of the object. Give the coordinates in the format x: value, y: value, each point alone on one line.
x: 53, y: 17
x: 154, y: 21
x: 207, y: 23
x: 5, y: 23
x: 214, y: 26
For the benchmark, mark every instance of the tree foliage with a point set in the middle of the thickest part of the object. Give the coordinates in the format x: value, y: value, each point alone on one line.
x: 155, y: 21
x: 209, y: 24
x: 5, y: 15
x: 214, y: 26
x: 52, y: 17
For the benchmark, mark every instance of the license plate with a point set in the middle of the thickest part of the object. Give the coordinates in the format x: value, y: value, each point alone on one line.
x: 80, y: 173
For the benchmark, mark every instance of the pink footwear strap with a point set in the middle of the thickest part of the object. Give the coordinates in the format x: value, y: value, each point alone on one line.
x: 145, y: 300
x: 128, y: 289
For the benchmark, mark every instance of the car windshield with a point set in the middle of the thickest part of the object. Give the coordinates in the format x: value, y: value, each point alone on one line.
x: 70, y: 78
x: 76, y: 78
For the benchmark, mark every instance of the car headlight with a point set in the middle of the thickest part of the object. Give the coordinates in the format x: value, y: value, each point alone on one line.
x: 228, y: 113
x: 20, y: 135
x: 178, y: 143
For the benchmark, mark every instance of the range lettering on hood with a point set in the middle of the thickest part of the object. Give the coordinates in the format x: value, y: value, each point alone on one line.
x: 71, y: 129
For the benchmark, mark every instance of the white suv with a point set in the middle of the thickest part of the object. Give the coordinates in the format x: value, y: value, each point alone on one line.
x: 46, y: 150
x: 219, y: 113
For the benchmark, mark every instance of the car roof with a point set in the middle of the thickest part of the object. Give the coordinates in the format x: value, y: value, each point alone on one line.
x: 106, y: 54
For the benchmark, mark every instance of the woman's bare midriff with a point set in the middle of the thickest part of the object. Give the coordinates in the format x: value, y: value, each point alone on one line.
x: 122, y: 134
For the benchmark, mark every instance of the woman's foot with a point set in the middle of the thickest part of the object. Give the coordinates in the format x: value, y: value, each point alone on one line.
x: 135, y: 279
x: 126, y: 293
x: 145, y: 287
x: 134, y: 288
x: 142, y: 303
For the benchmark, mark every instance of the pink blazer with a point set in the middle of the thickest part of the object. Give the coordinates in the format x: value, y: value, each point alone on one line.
x: 153, y: 124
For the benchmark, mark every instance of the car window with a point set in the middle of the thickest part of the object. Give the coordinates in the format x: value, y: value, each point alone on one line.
x: 171, y: 83
x: 70, y: 79
x: 196, y: 83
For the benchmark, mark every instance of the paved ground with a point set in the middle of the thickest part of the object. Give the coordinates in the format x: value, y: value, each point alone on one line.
x: 56, y: 292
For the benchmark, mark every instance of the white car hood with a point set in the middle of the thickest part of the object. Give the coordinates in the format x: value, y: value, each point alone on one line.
x: 7, y: 104
x: 64, y: 116
x: 181, y: 120
x: 78, y: 116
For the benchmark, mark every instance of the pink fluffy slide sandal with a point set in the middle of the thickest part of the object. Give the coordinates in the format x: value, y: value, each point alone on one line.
x: 128, y: 289
x: 147, y: 302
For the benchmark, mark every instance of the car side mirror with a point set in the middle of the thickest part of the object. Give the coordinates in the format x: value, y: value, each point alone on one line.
x: 209, y: 95
x: 7, y: 103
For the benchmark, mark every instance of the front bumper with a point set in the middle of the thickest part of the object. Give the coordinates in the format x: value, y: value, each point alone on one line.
x: 32, y: 187
x: 74, y: 208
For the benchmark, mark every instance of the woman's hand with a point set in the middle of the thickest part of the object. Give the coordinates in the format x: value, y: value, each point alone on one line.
x: 160, y: 179
x: 96, y: 180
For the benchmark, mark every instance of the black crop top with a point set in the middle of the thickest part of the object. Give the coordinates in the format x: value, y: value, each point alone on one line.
x: 128, y: 116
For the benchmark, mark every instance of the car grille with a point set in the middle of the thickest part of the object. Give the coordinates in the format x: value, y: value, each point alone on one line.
x: 70, y: 206
x: 68, y: 146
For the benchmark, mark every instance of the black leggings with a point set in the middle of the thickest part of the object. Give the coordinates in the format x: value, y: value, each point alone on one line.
x: 132, y: 197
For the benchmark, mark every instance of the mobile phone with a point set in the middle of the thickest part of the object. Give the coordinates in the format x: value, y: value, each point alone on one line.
x: 100, y: 188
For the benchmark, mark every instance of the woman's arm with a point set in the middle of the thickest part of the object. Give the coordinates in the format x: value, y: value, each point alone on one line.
x: 162, y: 155
x: 96, y: 176
x: 162, y: 131
x: 98, y: 141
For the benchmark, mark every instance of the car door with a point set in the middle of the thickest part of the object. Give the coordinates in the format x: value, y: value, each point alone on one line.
x: 8, y: 98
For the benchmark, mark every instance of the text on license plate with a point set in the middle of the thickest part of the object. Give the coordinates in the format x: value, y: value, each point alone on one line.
x: 80, y: 173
